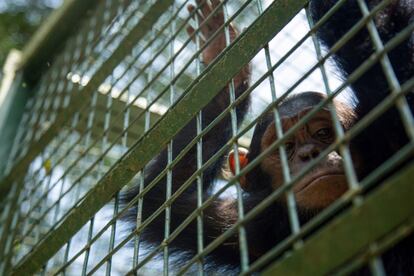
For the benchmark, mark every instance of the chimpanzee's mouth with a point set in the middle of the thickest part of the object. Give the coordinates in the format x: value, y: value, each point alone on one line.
x: 318, y: 178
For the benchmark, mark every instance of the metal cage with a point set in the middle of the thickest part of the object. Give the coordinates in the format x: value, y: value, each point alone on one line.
x: 104, y: 86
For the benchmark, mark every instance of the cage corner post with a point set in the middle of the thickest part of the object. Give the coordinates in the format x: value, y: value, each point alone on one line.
x: 13, y: 97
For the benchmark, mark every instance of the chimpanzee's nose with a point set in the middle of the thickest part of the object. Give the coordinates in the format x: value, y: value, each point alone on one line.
x: 308, y: 152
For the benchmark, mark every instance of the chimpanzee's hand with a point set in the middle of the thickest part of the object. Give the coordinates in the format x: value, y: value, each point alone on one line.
x: 208, y: 28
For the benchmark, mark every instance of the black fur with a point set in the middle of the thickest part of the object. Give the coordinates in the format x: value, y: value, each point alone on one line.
x: 270, y: 227
x: 386, y: 135
x: 387, y: 132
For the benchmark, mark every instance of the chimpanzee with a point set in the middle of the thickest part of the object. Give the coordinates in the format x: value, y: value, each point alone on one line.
x: 320, y: 187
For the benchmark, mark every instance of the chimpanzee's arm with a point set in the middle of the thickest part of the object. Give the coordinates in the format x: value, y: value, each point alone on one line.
x: 386, y: 135
x: 214, y: 218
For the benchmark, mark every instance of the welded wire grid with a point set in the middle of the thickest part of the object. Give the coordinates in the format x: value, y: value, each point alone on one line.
x: 108, y: 88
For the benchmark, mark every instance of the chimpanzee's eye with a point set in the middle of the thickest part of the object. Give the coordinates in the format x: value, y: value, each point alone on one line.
x: 323, y: 134
x: 290, y: 148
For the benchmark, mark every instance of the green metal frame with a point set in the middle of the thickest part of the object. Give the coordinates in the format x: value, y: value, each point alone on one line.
x: 14, y: 96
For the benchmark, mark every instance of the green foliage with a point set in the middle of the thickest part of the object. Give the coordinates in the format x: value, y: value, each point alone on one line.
x: 19, y: 20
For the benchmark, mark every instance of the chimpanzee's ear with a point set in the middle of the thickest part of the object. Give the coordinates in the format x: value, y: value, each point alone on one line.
x: 243, y: 161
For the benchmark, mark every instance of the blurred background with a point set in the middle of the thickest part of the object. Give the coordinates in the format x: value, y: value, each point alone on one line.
x: 19, y: 19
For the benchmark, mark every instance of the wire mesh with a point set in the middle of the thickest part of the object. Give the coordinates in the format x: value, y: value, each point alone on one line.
x: 121, y: 90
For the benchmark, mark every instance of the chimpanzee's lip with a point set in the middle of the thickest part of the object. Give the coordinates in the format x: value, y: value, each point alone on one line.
x: 309, y: 180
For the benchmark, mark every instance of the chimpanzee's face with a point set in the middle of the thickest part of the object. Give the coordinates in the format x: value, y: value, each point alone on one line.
x: 326, y: 181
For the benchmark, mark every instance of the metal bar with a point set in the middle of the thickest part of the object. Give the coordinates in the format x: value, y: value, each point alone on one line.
x: 199, y: 126
x: 380, y: 247
x: 377, y: 267
x: 108, y: 114
x: 6, y: 241
x: 243, y: 246
x: 13, y: 98
x: 291, y: 203
x: 7, y: 208
x: 19, y: 138
x: 6, y: 205
x: 366, y: 223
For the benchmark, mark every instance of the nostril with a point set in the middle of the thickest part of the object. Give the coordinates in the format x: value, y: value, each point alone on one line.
x: 305, y: 157
x: 315, y: 153
x: 308, y: 152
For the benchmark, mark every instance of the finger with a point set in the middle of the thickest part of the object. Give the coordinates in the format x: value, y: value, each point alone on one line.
x: 215, y: 3
x: 200, y: 18
x: 191, y: 33
x: 204, y: 7
x: 234, y: 29
x: 218, y: 16
x: 202, y: 39
x: 204, y: 26
x: 191, y: 8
